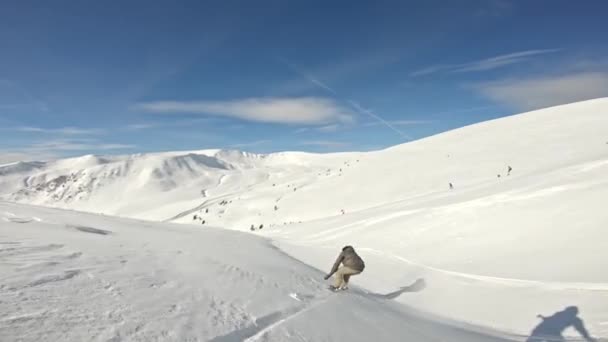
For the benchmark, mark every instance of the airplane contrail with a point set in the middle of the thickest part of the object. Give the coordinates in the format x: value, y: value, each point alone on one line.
x: 351, y: 103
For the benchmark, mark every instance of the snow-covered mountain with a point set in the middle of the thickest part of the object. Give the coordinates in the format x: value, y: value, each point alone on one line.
x: 495, y: 250
x: 304, y: 186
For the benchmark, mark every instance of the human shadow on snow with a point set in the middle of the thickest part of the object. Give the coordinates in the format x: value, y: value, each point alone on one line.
x: 417, y: 286
x: 551, y: 327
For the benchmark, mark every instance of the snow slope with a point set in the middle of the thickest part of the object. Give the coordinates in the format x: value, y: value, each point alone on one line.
x: 493, y: 252
x: 68, y: 276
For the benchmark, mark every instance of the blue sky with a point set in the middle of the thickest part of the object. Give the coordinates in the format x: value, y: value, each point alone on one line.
x: 79, y: 77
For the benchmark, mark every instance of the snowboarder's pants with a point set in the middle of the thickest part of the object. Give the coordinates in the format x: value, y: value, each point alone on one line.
x: 343, y: 276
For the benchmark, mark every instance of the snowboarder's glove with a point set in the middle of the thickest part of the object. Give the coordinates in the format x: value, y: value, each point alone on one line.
x: 327, y: 277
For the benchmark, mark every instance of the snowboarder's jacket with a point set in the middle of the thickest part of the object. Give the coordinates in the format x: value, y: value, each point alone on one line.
x: 350, y: 259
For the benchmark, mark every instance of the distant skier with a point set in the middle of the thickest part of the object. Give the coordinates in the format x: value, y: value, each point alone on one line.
x: 352, y: 264
x: 509, y: 169
x: 451, y: 186
x: 551, y: 328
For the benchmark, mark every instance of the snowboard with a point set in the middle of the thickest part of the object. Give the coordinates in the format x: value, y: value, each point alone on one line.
x: 333, y: 289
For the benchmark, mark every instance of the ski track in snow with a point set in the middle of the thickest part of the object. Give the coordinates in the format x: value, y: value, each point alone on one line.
x: 498, y: 280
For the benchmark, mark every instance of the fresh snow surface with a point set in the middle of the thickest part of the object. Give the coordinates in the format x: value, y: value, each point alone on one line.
x: 69, y: 276
x: 488, y: 255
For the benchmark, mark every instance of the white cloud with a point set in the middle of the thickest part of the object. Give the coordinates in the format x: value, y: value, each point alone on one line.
x: 328, y: 128
x: 399, y: 123
x: 302, y: 110
x: 325, y: 143
x: 484, y: 64
x: 139, y: 126
x: 74, y: 145
x: 545, y: 91
x: 301, y: 130
x: 177, y: 123
x: 251, y: 144
x: 62, y: 131
x: 7, y: 157
x: 430, y: 70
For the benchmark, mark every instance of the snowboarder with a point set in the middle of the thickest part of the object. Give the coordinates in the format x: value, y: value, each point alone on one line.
x: 551, y: 328
x: 352, y: 264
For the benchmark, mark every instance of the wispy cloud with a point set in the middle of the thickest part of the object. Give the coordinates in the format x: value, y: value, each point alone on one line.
x: 323, y: 129
x: 301, y: 110
x: 484, y: 64
x: 399, y: 123
x: 494, y: 8
x: 52, y: 149
x: 74, y: 145
x: 14, y: 96
x: 140, y: 126
x: 251, y: 144
x: 325, y: 143
x: 544, y: 91
x: 328, y: 128
x: 61, y: 131
x: 308, y: 76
